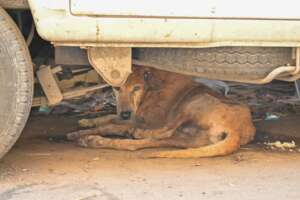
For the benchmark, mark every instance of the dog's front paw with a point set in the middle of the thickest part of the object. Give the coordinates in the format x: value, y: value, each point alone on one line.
x: 83, y: 142
x: 91, y: 141
x: 138, y: 133
x: 86, y: 123
x: 72, y: 136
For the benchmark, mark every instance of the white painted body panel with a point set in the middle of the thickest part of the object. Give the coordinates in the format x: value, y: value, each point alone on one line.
x: 189, y: 23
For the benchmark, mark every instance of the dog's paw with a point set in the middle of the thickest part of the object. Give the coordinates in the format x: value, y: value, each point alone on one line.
x: 91, y: 141
x: 85, y: 141
x: 72, y: 136
x: 86, y: 123
x: 138, y: 133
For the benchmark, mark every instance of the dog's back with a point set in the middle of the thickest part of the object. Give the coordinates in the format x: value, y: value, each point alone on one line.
x: 179, y: 94
x: 228, y: 124
x: 157, y: 103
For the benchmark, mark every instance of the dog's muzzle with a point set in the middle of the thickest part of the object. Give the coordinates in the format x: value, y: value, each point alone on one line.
x: 126, y: 115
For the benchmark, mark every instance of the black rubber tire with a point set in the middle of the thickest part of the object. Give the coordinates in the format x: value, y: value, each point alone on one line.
x: 223, y: 63
x: 16, y: 82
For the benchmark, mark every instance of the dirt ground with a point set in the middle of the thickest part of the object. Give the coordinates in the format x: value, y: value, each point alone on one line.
x: 42, y: 166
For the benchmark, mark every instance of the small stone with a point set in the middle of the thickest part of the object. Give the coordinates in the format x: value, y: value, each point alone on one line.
x: 96, y: 159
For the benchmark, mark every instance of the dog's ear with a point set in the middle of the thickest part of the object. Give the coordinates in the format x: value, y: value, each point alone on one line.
x: 153, y: 82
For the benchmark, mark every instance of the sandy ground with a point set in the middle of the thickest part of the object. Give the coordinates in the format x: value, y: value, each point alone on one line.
x: 42, y: 167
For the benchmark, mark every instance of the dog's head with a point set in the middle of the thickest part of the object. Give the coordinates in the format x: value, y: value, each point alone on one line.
x: 132, y: 93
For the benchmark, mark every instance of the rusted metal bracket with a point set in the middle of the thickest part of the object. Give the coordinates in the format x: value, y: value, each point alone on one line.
x: 48, y: 81
x: 54, y: 95
x: 113, y: 64
x: 42, y: 101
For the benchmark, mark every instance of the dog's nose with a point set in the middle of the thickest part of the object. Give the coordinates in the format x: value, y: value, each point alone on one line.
x: 126, y: 115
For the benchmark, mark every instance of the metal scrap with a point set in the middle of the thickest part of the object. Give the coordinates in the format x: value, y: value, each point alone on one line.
x: 268, y: 101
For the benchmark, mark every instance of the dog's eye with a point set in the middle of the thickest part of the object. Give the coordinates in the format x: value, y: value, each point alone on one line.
x: 136, y: 88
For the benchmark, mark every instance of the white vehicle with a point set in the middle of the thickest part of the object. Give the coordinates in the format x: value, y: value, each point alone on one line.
x: 245, y: 41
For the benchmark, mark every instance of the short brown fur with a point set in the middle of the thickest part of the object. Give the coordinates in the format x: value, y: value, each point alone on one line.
x: 170, y: 110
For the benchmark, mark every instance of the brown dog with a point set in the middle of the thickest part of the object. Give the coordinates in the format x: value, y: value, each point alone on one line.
x: 164, y: 109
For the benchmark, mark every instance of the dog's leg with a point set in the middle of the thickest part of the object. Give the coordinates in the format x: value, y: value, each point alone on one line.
x: 96, y: 122
x: 224, y: 135
x: 96, y: 141
x: 224, y: 147
x: 106, y: 130
x: 165, y: 132
x: 156, y: 134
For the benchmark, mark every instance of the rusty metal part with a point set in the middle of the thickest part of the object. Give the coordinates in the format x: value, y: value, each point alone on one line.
x: 39, y: 101
x: 14, y: 4
x: 49, y: 84
x: 54, y: 94
x: 113, y: 64
x: 82, y: 91
x: 77, y: 92
x: 88, y: 77
x: 71, y: 56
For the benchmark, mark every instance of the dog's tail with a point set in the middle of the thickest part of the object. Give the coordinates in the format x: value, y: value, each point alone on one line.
x: 230, y: 144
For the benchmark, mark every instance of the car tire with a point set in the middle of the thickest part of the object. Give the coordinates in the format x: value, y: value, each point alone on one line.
x: 16, y: 82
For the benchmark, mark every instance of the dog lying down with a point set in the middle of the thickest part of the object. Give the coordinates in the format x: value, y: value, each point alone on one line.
x: 163, y: 109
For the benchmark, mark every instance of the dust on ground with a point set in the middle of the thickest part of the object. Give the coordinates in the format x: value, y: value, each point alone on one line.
x: 42, y: 166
